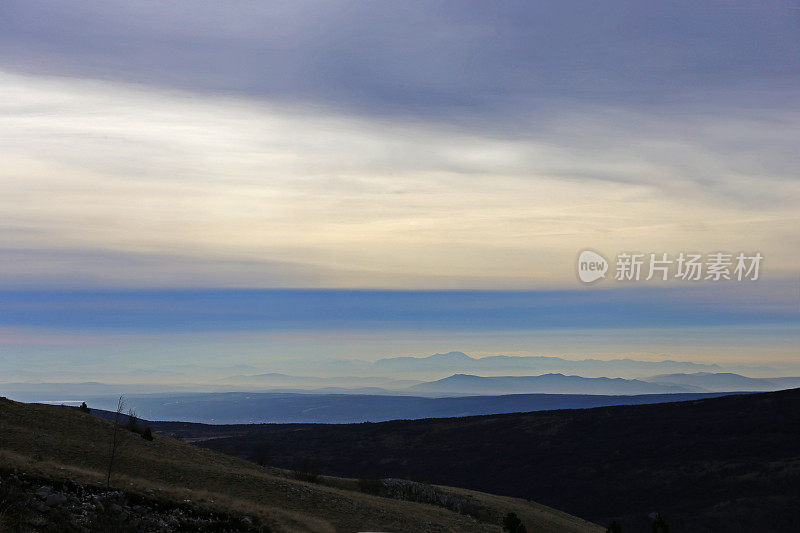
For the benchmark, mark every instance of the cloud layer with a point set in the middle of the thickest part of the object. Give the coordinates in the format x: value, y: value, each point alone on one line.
x: 129, y: 185
x: 452, y: 145
x: 449, y: 59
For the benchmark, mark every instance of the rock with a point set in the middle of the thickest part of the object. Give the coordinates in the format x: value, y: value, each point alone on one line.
x: 56, y: 499
x: 118, y: 512
x: 43, y: 492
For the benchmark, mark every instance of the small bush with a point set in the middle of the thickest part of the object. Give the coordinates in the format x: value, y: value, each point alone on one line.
x: 614, y: 527
x: 147, y: 434
x: 85, y: 408
x: 513, y: 524
x: 133, y: 423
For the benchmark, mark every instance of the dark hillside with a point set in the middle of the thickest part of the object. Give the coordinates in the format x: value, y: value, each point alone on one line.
x: 723, y: 464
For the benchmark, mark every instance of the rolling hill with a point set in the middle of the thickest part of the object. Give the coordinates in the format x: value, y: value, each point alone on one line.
x: 53, y: 462
x: 247, y: 408
x: 729, y: 463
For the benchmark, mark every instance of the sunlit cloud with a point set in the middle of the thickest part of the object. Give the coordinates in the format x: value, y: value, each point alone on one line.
x: 137, y: 185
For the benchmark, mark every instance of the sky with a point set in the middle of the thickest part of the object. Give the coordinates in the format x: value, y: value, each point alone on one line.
x: 379, y: 170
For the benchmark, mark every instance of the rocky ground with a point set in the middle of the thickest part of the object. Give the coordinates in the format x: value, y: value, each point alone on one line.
x: 29, y: 504
x: 403, y: 489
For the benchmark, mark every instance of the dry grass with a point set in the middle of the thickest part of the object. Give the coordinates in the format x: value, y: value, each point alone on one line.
x: 64, y: 443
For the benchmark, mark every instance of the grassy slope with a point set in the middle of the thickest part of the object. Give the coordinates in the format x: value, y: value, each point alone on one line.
x: 65, y: 443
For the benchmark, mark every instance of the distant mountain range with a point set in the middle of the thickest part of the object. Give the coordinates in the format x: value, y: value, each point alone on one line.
x: 560, y: 384
x: 453, y: 385
x: 461, y: 363
x: 454, y: 396
x: 726, y: 381
x: 346, y: 375
x: 547, y: 383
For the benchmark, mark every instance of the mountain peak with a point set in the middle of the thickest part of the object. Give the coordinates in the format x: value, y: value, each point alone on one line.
x: 453, y: 356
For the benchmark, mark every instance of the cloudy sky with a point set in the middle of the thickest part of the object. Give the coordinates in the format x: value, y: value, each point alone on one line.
x: 149, y: 148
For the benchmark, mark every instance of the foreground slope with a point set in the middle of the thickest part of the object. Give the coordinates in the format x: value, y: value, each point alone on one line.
x: 723, y: 464
x: 58, y: 444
